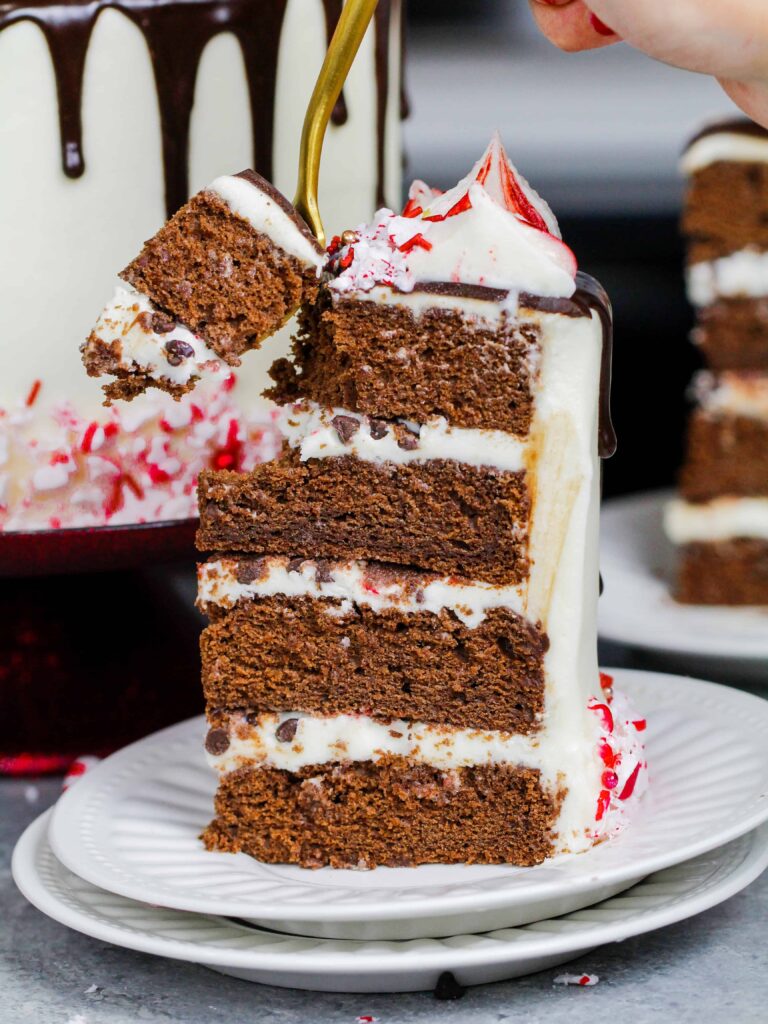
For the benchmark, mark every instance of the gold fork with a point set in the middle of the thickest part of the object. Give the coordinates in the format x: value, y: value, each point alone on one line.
x: 354, y: 20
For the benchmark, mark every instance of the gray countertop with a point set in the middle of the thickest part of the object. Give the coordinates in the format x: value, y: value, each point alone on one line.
x: 710, y: 969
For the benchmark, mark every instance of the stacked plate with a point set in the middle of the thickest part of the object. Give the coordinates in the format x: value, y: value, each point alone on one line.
x: 119, y: 859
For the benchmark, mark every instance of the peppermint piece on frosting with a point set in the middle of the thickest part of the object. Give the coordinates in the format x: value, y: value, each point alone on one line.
x: 491, y: 229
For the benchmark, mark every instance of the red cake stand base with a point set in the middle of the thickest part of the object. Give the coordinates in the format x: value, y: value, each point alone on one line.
x: 98, y: 640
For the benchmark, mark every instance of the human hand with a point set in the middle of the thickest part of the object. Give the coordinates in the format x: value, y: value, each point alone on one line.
x: 724, y: 38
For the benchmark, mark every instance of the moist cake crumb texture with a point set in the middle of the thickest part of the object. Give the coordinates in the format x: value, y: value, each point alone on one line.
x: 400, y: 662
x: 720, y: 519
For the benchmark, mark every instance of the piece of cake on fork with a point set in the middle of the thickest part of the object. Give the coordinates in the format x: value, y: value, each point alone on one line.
x: 400, y: 666
x: 226, y: 272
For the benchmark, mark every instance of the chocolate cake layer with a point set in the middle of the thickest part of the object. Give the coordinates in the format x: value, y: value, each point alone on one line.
x: 302, y: 654
x: 211, y: 270
x: 726, y: 209
x: 726, y: 455
x: 384, y: 361
x: 438, y: 515
x: 731, y: 572
x: 389, y: 812
x: 733, y: 334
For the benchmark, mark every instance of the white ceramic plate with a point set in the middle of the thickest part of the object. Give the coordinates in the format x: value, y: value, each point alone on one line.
x: 638, y: 563
x: 351, y: 966
x: 131, y: 826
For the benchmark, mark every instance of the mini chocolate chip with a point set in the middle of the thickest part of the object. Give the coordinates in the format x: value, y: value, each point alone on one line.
x: 407, y: 441
x: 249, y: 570
x: 217, y: 741
x: 447, y: 987
x: 346, y: 427
x: 177, y: 351
x: 379, y: 429
x: 162, y: 323
x: 294, y: 565
x: 322, y: 572
x: 287, y: 730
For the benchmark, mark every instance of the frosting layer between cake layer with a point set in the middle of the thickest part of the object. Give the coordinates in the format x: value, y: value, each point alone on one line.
x: 321, y: 433
x: 742, y: 274
x: 723, y: 518
x: 225, y: 582
x: 732, y: 394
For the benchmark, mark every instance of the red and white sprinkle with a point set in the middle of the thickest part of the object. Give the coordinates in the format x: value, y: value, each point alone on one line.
x: 581, y: 980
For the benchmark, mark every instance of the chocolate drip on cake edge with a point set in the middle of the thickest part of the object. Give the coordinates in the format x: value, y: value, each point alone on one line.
x: 176, y: 34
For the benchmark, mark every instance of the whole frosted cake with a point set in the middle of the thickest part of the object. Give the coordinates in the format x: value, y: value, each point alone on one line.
x: 90, y: 167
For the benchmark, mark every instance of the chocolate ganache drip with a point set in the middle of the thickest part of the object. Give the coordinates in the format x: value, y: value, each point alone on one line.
x: 177, y: 32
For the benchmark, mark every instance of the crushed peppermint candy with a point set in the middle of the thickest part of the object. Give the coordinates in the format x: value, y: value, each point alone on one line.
x: 134, y: 464
x: 78, y: 768
x: 580, y: 980
x: 622, y: 756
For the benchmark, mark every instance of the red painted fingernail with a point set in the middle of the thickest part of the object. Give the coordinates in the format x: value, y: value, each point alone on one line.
x: 600, y: 27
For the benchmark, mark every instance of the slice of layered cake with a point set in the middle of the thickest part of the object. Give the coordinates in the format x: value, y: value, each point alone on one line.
x: 226, y: 272
x: 720, y: 520
x: 400, y: 666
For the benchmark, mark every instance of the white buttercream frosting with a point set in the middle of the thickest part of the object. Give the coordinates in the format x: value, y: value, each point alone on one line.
x: 348, y: 584
x: 267, y: 216
x: 740, y: 275
x: 310, y: 428
x: 721, y: 519
x: 491, y: 229
x: 319, y: 740
x: 126, y: 325
x: 730, y: 393
x: 729, y: 146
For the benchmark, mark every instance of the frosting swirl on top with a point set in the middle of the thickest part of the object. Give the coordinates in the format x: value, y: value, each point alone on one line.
x: 491, y: 229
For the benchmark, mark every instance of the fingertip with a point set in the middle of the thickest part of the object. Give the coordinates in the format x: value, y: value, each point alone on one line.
x: 599, y: 26
x: 571, y: 26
